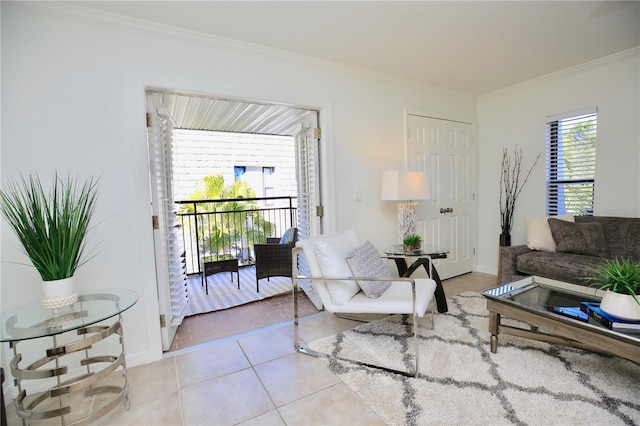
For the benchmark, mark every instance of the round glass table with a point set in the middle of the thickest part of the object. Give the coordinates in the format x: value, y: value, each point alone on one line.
x: 70, y: 367
x: 422, y: 257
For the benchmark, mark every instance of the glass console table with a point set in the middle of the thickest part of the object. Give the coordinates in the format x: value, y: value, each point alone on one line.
x: 422, y: 257
x: 69, y: 367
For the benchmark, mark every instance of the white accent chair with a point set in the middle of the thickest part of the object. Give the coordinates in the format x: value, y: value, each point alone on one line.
x: 336, y: 289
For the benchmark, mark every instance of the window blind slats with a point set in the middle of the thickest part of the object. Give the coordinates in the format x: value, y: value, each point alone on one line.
x: 571, y: 162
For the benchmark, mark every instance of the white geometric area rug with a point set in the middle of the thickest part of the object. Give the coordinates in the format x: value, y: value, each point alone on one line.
x: 462, y: 383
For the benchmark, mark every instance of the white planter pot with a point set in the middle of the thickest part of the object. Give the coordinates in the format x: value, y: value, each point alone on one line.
x: 59, y: 293
x: 620, y: 305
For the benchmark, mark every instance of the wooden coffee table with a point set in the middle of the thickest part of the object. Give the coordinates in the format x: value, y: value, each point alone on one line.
x: 529, y: 300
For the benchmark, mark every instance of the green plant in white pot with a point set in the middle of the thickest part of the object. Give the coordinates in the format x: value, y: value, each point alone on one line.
x: 412, y: 242
x: 52, y: 228
x: 621, y: 280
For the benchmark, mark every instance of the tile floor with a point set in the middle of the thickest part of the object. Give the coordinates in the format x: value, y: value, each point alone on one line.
x: 251, y: 378
x: 203, y: 328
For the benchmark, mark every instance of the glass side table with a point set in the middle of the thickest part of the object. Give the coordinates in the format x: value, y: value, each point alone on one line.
x: 70, y: 367
x: 422, y: 257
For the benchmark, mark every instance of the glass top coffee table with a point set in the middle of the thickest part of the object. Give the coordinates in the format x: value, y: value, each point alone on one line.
x: 531, y: 300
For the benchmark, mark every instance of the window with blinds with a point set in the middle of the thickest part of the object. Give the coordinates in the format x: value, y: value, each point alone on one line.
x: 571, y: 162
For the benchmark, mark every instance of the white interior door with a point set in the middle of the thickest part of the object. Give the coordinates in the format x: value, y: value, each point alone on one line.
x: 445, y: 150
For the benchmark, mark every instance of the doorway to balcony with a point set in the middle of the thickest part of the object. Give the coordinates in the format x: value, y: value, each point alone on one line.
x: 170, y: 112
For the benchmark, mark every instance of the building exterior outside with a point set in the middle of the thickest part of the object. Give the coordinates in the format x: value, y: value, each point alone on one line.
x: 266, y: 162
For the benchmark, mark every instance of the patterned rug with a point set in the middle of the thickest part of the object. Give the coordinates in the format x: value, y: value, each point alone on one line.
x: 224, y: 293
x: 463, y: 383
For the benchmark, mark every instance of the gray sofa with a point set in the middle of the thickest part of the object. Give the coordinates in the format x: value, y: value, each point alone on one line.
x: 581, y: 246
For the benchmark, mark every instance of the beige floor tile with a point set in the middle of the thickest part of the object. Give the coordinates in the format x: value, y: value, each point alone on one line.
x: 336, y: 405
x: 153, y: 380
x: 323, y: 325
x: 268, y: 345
x: 227, y: 400
x: 295, y: 376
x: 210, y: 362
x: 164, y: 409
x: 272, y: 418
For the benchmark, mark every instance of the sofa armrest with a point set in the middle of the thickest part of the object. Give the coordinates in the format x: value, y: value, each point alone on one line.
x: 507, y: 262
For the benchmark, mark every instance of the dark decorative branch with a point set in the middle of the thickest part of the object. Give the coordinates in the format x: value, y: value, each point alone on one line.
x: 510, y: 186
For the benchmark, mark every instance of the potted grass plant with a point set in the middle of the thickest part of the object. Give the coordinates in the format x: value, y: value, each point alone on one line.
x: 620, y: 278
x: 412, y: 243
x: 52, y: 227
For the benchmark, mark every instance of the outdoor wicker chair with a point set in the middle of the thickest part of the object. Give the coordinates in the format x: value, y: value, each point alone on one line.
x: 273, y: 259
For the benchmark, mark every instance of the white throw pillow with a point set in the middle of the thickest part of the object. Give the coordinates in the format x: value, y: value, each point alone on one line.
x: 365, y: 261
x: 539, y: 233
x: 331, y: 256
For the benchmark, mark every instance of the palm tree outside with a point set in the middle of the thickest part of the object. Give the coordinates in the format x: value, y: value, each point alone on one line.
x: 232, y: 225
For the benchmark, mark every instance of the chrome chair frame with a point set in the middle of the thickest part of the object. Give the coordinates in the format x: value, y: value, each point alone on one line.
x: 296, y: 320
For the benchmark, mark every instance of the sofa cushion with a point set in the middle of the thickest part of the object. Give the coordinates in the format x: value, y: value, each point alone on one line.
x: 331, y: 255
x: 568, y: 267
x: 365, y: 261
x: 622, y: 235
x: 539, y: 233
x: 578, y: 238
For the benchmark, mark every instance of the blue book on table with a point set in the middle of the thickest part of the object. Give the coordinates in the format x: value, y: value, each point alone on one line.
x: 611, y: 322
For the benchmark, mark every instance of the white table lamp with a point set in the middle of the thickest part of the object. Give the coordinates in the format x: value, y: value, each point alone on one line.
x: 405, y: 187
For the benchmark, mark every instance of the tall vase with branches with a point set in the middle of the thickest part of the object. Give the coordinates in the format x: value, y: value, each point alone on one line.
x: 510, y: 187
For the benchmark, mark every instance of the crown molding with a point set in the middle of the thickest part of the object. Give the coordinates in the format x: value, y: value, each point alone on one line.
x: 97, y: 18
x: 596, y: 63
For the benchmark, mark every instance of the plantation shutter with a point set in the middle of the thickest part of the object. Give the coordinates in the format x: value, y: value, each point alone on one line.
x: 170, y: 256
x: 309, y: 222
x: 307, y: 175
x: 571, y: 162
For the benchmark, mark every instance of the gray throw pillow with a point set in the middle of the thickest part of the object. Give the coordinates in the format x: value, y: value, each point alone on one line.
x: 365, y: 261
x: 578, y: 238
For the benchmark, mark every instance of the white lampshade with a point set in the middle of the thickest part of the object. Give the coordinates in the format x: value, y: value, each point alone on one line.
x: 401, y: 185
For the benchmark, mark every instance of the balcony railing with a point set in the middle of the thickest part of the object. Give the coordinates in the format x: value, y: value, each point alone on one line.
x: 206, y: 231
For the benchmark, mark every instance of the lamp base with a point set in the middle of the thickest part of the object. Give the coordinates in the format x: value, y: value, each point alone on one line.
x: 406, y: 220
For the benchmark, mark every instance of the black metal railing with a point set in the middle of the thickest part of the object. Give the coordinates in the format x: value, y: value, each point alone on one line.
x: 210, y: 228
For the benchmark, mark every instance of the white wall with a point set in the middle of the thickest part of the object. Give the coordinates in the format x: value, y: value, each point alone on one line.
x: 518, y: 116
x: 73, y: 100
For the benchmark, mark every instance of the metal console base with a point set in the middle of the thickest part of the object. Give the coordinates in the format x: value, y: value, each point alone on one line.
x: 58, y: 401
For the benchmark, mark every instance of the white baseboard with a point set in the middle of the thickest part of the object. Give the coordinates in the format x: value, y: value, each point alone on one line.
x: 487, y: 270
